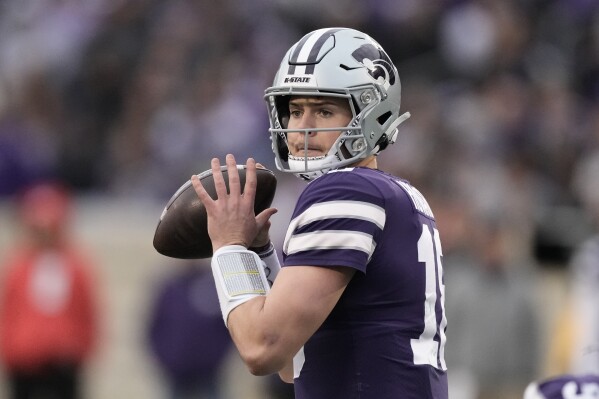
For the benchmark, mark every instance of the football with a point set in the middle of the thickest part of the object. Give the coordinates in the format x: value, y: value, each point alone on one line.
x: 182, y: 231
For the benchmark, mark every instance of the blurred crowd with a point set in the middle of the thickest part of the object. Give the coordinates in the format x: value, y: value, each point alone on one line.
x: 128, y: 98
x: 122, y: 96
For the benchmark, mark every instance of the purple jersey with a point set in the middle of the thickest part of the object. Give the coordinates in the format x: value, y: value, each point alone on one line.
x: 385, y: 337
x: 565, y: 387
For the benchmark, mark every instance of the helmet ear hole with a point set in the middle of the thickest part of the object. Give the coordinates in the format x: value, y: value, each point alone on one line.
x: 383, y: 118
x: 383, y: 141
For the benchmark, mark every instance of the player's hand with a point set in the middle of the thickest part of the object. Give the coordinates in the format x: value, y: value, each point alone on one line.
x: 231, y: 219
x: 263, y: 237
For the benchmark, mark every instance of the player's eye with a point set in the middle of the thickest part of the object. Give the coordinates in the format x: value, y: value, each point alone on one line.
x: 325, y: 113
x: 295, y: 113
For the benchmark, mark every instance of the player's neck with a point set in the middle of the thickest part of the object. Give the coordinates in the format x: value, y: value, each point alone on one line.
x: 369, y: 162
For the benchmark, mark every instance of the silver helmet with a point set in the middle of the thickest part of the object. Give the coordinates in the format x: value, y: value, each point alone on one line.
x: 344, y: 63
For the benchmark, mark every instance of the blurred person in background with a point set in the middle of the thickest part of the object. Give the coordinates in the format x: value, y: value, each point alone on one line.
x: 576, y: 335
x: 186, y: 334
x: 48, y: 314
x: 495, y: 338
x: 585, y: 272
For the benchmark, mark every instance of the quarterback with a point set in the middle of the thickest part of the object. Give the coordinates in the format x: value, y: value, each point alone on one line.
x: 357, y: 308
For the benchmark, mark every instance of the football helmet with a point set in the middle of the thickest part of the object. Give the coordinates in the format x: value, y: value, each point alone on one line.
x: 344, y: 63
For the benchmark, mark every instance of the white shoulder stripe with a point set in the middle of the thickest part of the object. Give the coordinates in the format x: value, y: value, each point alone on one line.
x: 335, y: 239
x: 339, y: 209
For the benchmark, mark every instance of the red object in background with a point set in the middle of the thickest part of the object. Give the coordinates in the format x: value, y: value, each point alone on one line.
x: 48, y: 313
x: 48, y: 310
x: 45, y: 205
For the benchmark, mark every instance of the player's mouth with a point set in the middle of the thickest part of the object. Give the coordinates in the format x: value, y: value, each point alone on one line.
x: 312, y: 151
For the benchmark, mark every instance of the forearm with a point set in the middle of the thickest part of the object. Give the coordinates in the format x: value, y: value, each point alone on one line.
x: 255, y: 324
x: 259, y: 338
x: 269, y: 325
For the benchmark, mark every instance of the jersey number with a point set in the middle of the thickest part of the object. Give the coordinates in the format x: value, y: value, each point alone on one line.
x: 426, y: 350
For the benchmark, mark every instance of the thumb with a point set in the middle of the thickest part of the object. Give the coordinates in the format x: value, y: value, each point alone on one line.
x: 264, y: 217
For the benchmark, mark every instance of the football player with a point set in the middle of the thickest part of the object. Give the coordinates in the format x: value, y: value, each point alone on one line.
x: 357, y: 310
x: 565, y: 387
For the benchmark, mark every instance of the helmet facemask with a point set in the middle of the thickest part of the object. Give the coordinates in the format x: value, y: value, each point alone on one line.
x: 349, y: 147
x: 373, y: 100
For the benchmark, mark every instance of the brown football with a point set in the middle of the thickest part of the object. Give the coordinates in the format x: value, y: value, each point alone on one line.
x: 182, y: 230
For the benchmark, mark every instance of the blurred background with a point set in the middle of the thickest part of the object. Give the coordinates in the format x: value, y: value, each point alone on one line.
x: 121, y: 101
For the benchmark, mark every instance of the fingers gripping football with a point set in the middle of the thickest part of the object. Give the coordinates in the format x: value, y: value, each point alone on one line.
x: 182, y: 230
x: 231, y: 218
x: 263, y: 220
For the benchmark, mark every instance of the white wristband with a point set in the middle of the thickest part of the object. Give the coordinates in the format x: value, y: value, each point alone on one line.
x: 271, y: 265
x: 239, y: 276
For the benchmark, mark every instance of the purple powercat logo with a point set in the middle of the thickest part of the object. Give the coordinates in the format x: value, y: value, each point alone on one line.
x: 377, y: 62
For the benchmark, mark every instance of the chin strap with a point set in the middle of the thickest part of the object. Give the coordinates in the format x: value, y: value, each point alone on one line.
x: 297, y: 165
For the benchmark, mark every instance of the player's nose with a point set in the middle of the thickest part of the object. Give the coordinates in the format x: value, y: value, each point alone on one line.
x: 307, y: 123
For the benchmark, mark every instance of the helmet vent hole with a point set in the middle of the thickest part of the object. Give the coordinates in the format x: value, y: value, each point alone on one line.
x: 383, y: 118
